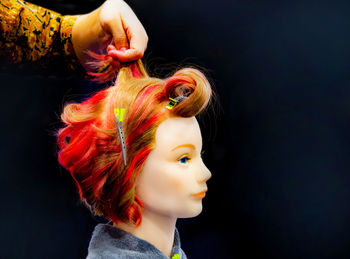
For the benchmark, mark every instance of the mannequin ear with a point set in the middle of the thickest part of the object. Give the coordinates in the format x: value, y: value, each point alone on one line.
x: 136, y: 183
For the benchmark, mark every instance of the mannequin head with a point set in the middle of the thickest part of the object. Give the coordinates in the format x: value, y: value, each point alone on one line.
x: 154, y: 177
x: 174, y: 170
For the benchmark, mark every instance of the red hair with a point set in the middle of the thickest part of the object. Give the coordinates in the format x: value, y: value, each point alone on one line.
x: 89, y: 145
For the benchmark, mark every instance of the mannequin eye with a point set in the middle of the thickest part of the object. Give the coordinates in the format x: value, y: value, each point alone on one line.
x: 184, y: 160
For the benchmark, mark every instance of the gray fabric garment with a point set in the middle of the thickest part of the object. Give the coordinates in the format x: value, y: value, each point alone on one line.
x: 109, y: 242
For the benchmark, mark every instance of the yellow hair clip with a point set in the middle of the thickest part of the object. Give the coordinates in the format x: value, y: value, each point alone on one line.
x: 175, y: 101
x: 172, y: 103
x: 119, y: 118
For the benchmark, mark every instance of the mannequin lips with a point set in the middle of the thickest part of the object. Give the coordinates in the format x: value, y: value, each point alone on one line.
x: 200, y: 194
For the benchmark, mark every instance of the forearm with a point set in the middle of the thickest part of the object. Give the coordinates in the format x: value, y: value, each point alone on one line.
x: 30, y: 33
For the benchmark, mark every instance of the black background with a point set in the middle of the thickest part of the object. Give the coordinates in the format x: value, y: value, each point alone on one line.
x: 278, y: 149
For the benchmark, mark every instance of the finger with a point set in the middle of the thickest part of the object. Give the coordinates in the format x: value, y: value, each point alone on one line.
x: 112, y: 24
x: 126, y: 55
x: 112, y: 47
x: 119, y: 36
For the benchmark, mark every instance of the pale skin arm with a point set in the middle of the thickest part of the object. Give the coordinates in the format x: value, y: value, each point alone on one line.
x: 114, y: 21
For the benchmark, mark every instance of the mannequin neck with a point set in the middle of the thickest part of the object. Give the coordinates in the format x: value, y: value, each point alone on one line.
x: 157, y: 229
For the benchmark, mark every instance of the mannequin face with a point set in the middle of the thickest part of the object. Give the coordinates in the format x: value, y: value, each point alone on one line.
x: 172, y: 174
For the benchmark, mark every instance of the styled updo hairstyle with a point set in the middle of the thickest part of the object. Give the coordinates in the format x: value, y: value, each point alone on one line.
x: 89, y: 146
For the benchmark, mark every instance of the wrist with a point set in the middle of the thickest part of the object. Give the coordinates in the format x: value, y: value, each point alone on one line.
x: 86, y: 34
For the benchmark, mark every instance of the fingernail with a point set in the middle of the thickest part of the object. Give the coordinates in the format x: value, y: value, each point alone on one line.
x: 111, y: 46
x: 112, y: 53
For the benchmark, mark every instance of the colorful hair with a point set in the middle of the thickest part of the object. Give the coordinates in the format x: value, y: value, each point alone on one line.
x: 89, y: 145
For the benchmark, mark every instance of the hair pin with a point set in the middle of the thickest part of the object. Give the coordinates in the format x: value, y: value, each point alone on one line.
x: 119, y: 115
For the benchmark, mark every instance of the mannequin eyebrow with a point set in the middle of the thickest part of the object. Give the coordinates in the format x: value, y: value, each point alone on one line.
x: 185, y: 145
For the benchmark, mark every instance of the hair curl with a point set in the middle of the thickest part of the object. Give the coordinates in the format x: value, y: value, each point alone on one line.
x: 89, y: 146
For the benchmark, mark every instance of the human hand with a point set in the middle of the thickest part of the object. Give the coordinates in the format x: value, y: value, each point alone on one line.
x: 113, y: 27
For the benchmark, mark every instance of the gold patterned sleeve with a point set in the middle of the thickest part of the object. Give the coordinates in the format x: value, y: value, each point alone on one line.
x: 32, y: 33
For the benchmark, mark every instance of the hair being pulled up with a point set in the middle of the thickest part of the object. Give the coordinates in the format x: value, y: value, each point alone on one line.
x: 89, y: 147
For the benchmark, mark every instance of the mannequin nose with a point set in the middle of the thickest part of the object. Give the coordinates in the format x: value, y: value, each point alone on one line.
x: 205, y: 173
